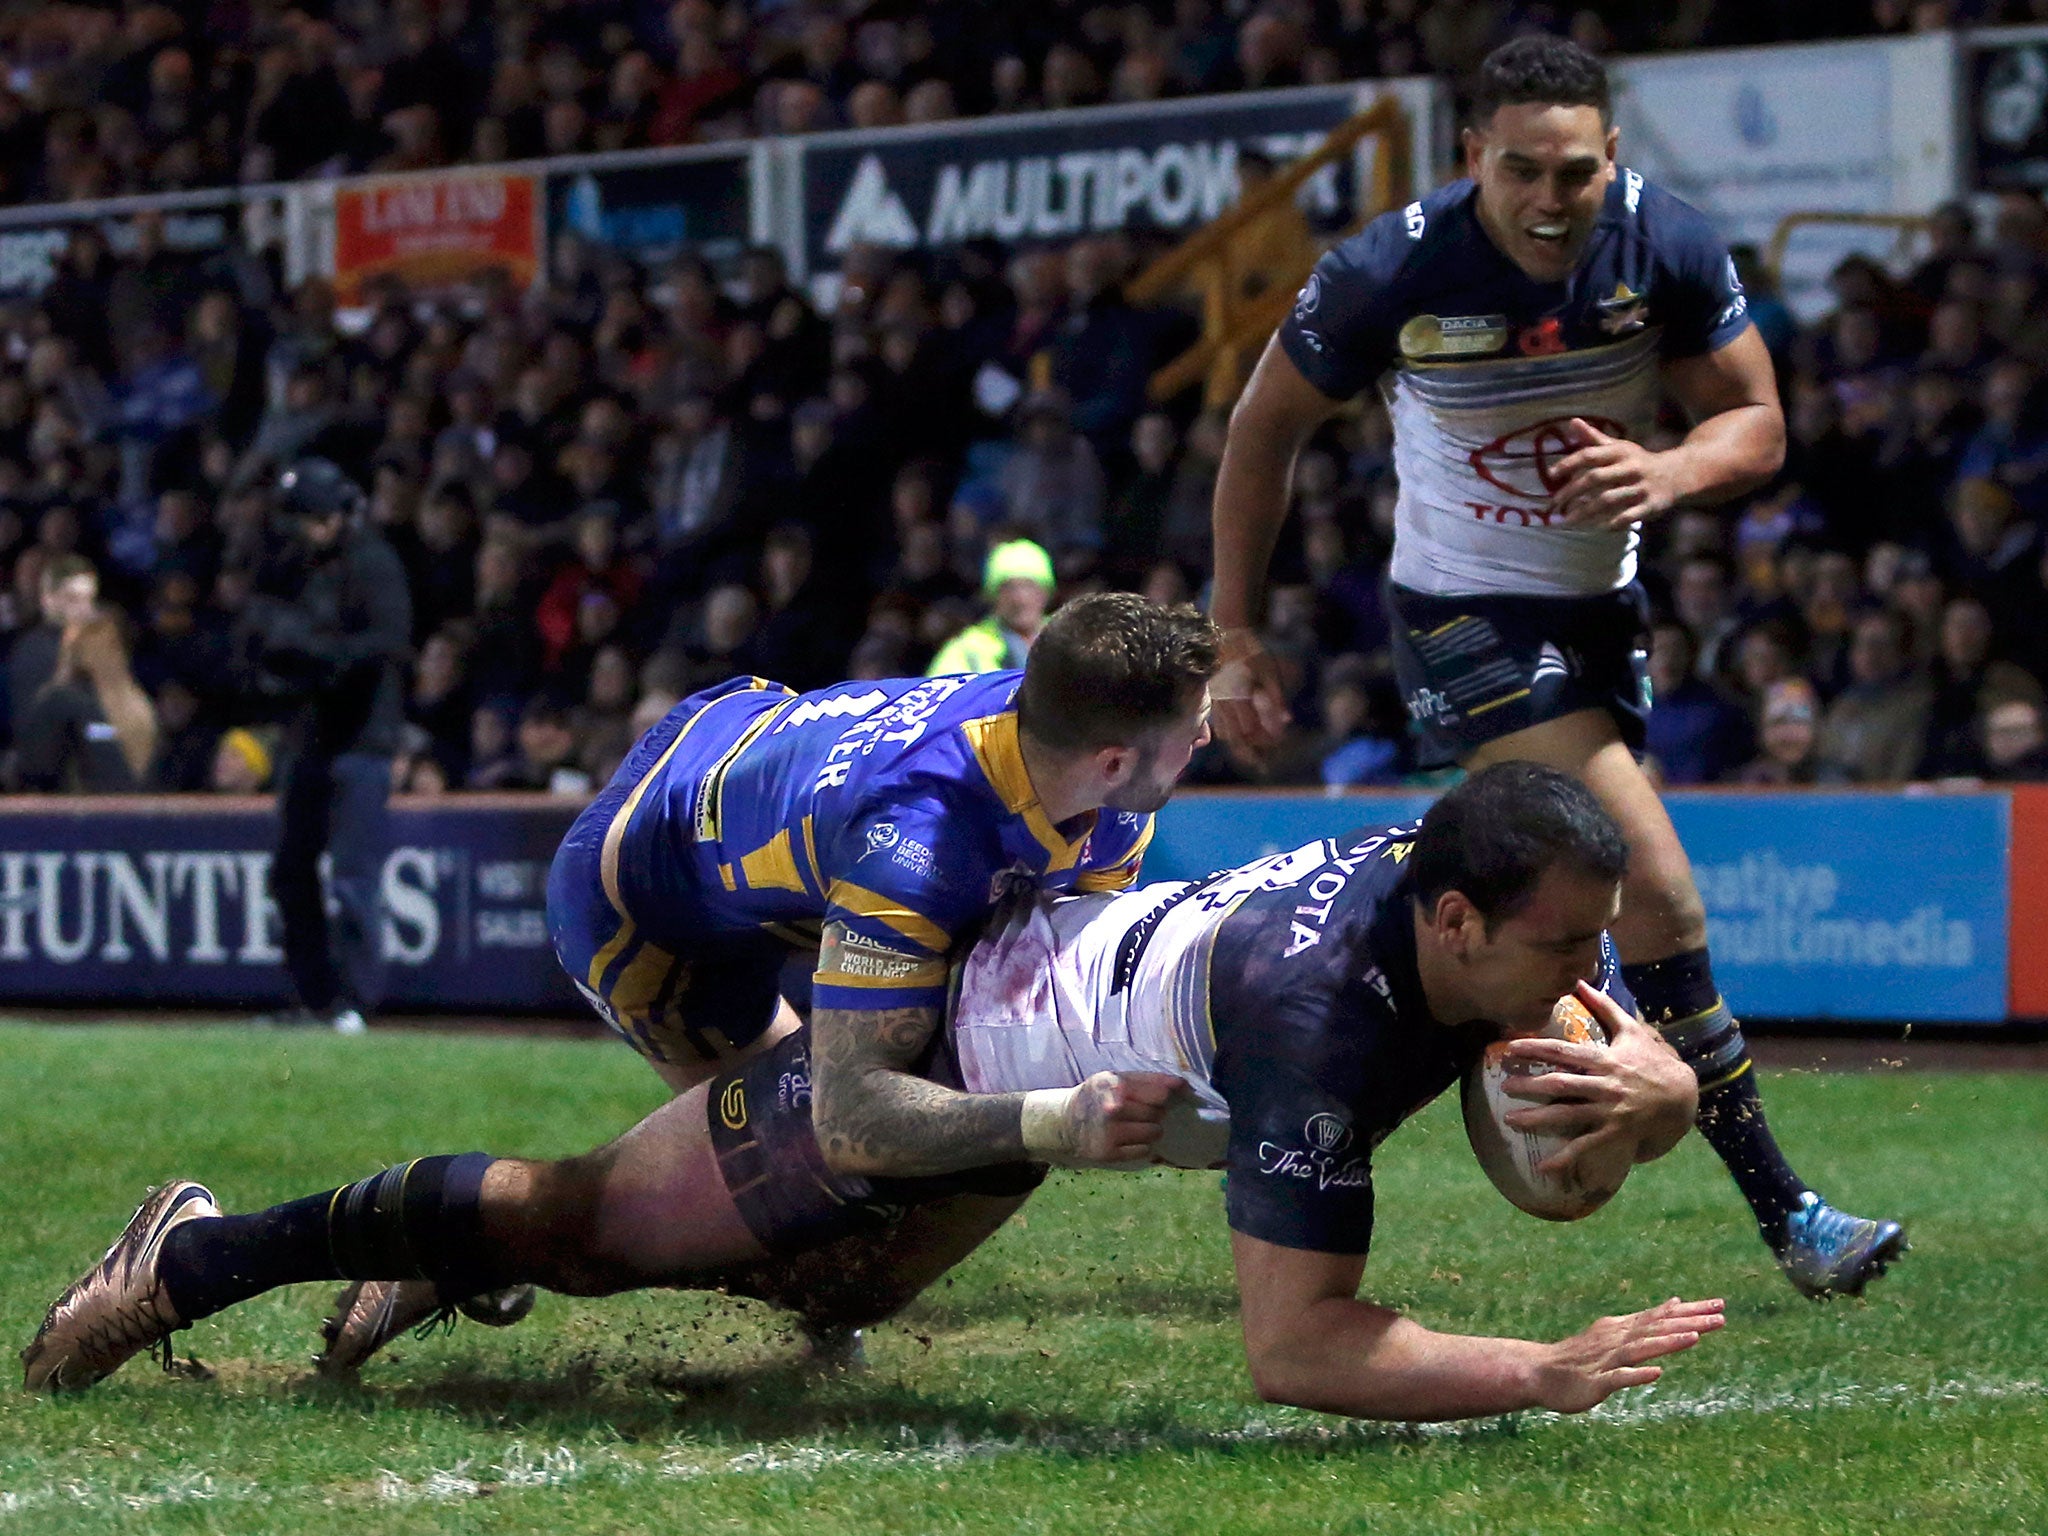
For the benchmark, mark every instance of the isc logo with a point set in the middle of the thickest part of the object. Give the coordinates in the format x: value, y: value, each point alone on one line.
x: 732, y: 1105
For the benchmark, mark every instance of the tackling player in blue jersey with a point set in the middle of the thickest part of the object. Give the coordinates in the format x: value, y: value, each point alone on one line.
x: 1305, y: 1004
x: 1522, y: 326
x: 877, y: 822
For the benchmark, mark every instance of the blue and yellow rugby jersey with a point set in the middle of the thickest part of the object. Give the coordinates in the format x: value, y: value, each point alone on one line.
x: 899, y: 808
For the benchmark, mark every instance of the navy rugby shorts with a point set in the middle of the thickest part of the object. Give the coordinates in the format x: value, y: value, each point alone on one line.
x: 1475, y: 668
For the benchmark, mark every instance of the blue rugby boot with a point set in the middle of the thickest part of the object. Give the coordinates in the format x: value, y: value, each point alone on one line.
x: 1826, y: 1253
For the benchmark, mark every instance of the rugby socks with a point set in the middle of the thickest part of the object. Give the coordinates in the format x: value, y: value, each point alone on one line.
x: 1678, y: 998
x: 421, y: 1220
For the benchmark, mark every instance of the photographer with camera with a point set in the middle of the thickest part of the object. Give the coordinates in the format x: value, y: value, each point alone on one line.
x: 328, y: 634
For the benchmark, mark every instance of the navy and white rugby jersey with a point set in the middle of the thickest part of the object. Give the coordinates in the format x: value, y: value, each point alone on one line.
x: 1284, y: 992
x: 1482, y: 367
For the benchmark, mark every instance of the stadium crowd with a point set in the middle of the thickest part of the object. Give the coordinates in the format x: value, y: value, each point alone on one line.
x: 628, y: 483
x: 98, y: 99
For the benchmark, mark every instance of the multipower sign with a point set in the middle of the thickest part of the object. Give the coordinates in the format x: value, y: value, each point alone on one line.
x: 1051, y: 176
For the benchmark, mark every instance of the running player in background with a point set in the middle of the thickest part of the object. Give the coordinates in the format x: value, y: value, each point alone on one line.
x: 1307, y: 1003
x: 1523, y: 325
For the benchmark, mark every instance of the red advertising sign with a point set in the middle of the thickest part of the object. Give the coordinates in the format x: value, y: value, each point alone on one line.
x: 435, y: 231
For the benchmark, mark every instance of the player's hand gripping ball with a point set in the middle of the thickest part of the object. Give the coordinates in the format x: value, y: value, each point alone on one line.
x: 1512, y: 1157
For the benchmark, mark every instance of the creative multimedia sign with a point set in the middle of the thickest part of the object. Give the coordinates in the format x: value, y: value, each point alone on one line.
x: 435, y: 231
x: 1843, y: 906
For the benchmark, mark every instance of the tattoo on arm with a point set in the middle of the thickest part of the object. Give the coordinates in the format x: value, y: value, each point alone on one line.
x: 874, y: 1118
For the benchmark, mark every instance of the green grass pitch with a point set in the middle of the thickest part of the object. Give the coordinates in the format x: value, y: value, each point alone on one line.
x: 1081, y: 1374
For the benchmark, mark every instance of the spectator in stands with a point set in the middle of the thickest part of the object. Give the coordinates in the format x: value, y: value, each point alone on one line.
x: 803, y: 624
x: 544, y: 753
x: 1695, y: 735
x: 66, y: 596
x: 1361, y: 743
x: 1017, y: 583
x: 242, y: 763
x: 1876, y: 730
x: 2015, y: 745
x: 90, y: 728
x: 602, y: 722
x: 1789, y: 736
x: 1101, y: 353
x: 1992, y: 551
x: 1969, y: 685
x: 186, y: 741
x: 1052, y: 485
x: 440, y: 703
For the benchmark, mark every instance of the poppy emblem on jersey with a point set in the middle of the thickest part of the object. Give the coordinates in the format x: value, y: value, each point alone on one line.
x: 1453, y: 335
x: 1327, y: 1133
x: 1626, y: 310
x: 1544, y: 339
x: 1526, y: 462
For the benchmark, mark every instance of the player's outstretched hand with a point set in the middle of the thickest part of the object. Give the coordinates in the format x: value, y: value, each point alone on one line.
x: 1610, y: 482
x: 1586, y: 1369
x: 1116, y: 1117
x: 1247, y: 697
x: 1635, y: 1090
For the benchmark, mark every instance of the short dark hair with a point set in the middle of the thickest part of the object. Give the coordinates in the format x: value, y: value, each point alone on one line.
x: 1111, y: 666
x: 1550, y: 71
x: 1492, y: 837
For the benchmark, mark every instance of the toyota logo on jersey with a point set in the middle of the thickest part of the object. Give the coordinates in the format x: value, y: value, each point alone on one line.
x: 1527, y: 462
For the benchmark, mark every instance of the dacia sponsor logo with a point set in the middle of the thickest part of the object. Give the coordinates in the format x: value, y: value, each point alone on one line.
x: 732, y: 1106
x: 858, y: 956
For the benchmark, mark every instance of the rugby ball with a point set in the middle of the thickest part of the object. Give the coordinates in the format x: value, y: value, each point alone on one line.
x: 1510, y: 1156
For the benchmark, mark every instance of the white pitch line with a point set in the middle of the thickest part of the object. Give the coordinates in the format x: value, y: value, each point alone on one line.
x: 562, y: 1467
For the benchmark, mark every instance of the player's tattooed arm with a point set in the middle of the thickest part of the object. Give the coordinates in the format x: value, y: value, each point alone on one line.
x: 874, y: 1118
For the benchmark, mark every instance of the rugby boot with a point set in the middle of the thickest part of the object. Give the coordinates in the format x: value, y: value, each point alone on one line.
x: 118, y: 1307
x: 1826, y: 1253
x: 369, y: 1314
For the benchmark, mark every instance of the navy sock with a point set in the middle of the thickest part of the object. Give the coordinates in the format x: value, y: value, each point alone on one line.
x: 421, y: 1220
x: 1679, y: 999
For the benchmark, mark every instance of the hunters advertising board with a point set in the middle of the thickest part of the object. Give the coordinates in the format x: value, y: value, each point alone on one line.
x: 435, y: 232
x: 171, y: 904
x: 1047, y: 176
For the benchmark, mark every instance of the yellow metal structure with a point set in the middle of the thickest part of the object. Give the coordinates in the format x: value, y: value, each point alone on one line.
x: 1246, y: 267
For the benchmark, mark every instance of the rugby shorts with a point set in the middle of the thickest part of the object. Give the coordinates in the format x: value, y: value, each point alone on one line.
x: 1475, y: 668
